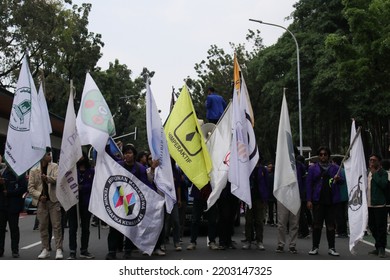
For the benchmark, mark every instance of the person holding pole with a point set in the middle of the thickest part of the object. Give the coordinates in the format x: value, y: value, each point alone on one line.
x: 79, y: 213
x: 322, y: 192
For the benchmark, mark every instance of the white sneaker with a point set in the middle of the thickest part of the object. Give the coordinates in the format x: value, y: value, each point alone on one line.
x: 213, y: 246
x: 158, y: 252
x: 192, y: 246
x: 246, y: 246
x: 59, y: 255
x: 44, y: 254
x: 260, y: 246
x: 313, y: 251
x: 333, y: 252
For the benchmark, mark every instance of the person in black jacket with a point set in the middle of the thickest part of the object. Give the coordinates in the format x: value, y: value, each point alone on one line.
x: 12, y: 189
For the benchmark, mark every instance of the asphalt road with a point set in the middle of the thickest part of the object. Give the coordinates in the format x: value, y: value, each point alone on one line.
x: 30, y: 247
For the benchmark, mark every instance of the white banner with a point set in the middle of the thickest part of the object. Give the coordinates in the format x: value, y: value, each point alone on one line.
x: 286, y: 189
x: 356, y: 175
x: 125, y: 203
x: 163, y: 175
x: 20, y: 154
x: 67, y: 183
x: 94, y: 120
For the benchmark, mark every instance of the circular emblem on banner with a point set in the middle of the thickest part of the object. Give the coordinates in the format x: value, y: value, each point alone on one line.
x: 355, y: 195
x: 21, y: 110
x: 124, y: 201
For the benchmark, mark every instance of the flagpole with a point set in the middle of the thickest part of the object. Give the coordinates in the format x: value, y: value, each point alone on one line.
x: 349, y: 149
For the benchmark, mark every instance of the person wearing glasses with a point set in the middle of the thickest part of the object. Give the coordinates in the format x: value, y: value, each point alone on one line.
x: 323, y: 191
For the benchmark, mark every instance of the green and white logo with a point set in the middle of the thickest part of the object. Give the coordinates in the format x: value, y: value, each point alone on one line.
x: 21, y: 110
x: 95, y: 112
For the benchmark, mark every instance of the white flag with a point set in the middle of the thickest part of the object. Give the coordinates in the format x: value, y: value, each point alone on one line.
x: 45, y: 121
x: 67, y: 182
x: 244, y: 154
x: 163, y: 175
x: 126, y: 204
x: 247, y: 108
x: 286, y: 189
x: 219, y: 149
x: 240, y: 166
x: 94, y: 120
x: 20, y: 154
x: 356, y: 175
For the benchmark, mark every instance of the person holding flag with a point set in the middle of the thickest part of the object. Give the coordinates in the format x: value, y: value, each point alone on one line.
x: 139, y: 171
x: 42, y: 187
x: 85, y: 174
x: 287, y: 180
x: 323, y: 192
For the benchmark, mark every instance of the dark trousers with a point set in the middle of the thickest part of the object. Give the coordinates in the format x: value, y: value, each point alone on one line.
x: 254, y: 220
x: 321, y: 213
x: 13, y: 223
x: 172, y: 222
x: 85, y: 218
x: 377, y: 222
x: 272, y: 209
x: 197, y: 211
x: 227, y: 210
x: 303, y: 229
x: 115, y: 240
x: 341, y: 217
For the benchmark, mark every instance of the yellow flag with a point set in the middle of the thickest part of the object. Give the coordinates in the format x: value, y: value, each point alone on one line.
x: 236, y: 70
x: 237, y: 88
x: 185, y: 141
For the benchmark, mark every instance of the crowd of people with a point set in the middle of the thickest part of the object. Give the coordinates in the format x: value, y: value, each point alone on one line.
x: 322, y: 187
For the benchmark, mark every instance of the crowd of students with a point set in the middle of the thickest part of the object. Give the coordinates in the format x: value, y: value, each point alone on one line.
x: 321, y: 202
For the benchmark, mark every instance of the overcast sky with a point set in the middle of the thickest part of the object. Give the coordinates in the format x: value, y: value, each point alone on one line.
x: 170, y: 36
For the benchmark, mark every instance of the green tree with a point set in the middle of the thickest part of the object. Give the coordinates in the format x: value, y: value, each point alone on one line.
x: 363, y: 62
x: 58, y: 43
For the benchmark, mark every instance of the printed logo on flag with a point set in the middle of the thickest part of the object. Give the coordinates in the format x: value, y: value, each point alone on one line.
x: 20, y: 115
x: 95, y: 112
x: 241, y: 147
x: 124, y: 201
x: 290, y: 150
x: 191, y: 142
x: 226, y: 159
x: 356, y: 196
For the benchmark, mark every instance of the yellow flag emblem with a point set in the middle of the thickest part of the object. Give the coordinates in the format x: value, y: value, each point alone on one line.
x: 185, y: 141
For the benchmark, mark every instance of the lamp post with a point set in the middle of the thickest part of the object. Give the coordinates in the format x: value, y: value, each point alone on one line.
x: 299, y: 80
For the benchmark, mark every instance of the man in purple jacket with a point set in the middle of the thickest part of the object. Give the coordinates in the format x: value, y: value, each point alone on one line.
x: 323, y: 192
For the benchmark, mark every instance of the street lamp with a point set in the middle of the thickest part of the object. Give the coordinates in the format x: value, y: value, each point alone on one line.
x: 299, y: 80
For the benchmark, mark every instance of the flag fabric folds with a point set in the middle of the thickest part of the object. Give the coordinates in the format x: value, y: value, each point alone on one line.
x: 356, y: 175
x: 45, y: 116
x: 219, y: 147
x: 94, y: 120
x: 244, y: 154
x: 126, y: 204
x: 185, y: 141
x: 25, y: 144
x: 286, y: 189
x: 163, y: 175
x: 67, y: 182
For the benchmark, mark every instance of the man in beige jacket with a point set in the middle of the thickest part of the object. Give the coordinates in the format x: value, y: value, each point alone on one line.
x: 42, y: 187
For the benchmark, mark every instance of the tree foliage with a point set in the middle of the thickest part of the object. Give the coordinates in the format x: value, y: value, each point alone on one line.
x: 57, y: 41
x: 344, y: 65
